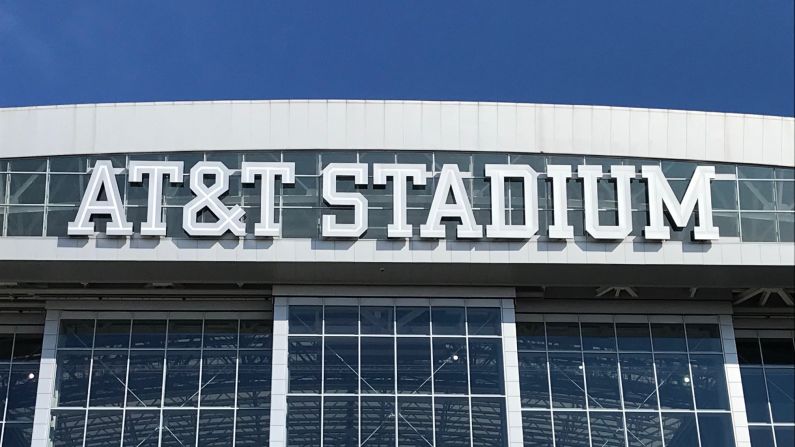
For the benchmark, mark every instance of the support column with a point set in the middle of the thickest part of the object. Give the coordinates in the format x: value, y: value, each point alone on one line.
x: 46, y: 387
x: 734, y: 383
x: 278, y: 427
x: 511, y: 364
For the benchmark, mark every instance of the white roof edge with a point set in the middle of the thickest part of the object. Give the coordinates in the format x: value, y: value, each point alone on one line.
x: 394, y: 125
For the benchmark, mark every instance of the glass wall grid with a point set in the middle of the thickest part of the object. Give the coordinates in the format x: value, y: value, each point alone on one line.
x: 386, y: 375
x: 20, y: 354
x: 767, y: 367
x: 617, y: 381
x: 38, y: 196
x: 163, y: 382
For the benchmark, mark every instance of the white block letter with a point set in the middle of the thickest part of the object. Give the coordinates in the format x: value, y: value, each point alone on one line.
x: 267, y: 225
x: 561, y: 228
x: 450, y: 182
x: 400, y: 174
x: 661, y: 194
x: 330, y: 227
x: 102, y: 178
x: 208, y: 197
x: 155, y: 170
x: 590, y: 175
x: 498, y: 227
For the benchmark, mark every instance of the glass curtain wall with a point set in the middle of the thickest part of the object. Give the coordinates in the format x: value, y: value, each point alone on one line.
x: 167, y: 383
x: 20, y: 355
x: 617, y: 384
x: 395, y: 375
x: 767, y: 366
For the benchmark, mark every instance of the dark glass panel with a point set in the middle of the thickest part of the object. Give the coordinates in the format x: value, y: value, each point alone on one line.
x: 781, y: 389
x: 668, y: 337
x: 748, y: 351
x: 68, y: 164
x: 141, y: 429
x: 601, y: 375
x: 673, y: 376
x: 758, y: 227
x: 378, y: 365
x: 785, y: 436
x: 537, y: 428
x: 716, y: 429
x: 255, y: 334
x: 216, y: 428
x: 633, y: 337
x: 306, y: 319
x: 755, y: 392
x: 27, y: 348
x: 785, y: 196
x: 254, y: 379
x: 485, y: 366
x: 340, y: 422
x: 25, y: 221
x: 724, y: 194
x: 252, y: 428
x: 23, y: 382
x: 68, y: 189
x: 643, y: 430
x: 414, y: 365
x: 415, y: 421
x: 786, y: 227
x: 76, y: 334
x: 756, y: 195
x: 378, y: 421
x: 72, y: 378
x: 530, y: 336
x: 679, y: 430
x: 598, y: 337
x: 304, y: 364
x: 637, y: 378
x: 6, y: 347
x: 341, y: 320
x: 377, y: 320
x: 728, y: 223
x: 533, y: 381
x: 26, y: 189
x: 112, y: 334
x: 182, y: 378
x: 484, y: 320
x: 67, y: 428
x: 566, y: 377
x: 564, y: 336
x: 18, y: 434
x: 488, y: 422
x: 148, y: 334
x: 145, y: 381
x: 303, y: 421
x: 778, y: 351
x: 220, y: 334
x: 341, y: 364
x: 450, y: 366
x: 607, y: 429
x: 179, y: 428
x: 4, y: 377
x: 571, y: 429
x: 303, y: 192
x: 703, y: 338
x: 108, y: 379
x: 218, y: 379
x: 452, y: 421
x: 300, y: 222
x: 709, y: 381
x: 448, y: 320
x: 184, y: 334
x: 761, y: 436
x: 103, y: 428
x: 754, y: 172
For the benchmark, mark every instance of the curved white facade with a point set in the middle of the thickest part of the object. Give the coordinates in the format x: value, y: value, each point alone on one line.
x: 398, y: 125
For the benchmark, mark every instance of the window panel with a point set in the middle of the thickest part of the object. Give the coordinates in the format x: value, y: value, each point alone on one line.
x: 220, y: 334
x: 218, y: 379
x: 781, y: 389
x: 778, y: 351
x: 452, y: 422
x: 709, y: 381
x: 450, y: 365
x: 607, y: 429
x: 785, y: 196
x: 67, y: 428
x: 377, y: 320
x: 668, y: 337
x: 537, y: 428
x: 755, y: 392
x: 216, y: 428
x: 184, y: 334
x: 303, y: 421
x: 305, y: 319
x: 643, y: 430
x: 785, y: 436
x: 182, y: 378
x: 748, y: 351
x: 761, y: 436
x: 530, y: 336
x: 633, y: 337
x: 488, y: 422
x: 601, y: 372
x: 637, y: 378
x: 72, y: 378
x: 252, y: 428
x: 703, y: 338
x: 148, y: 334
x: 340, y: 422
x: 378, y: 365
x: 179, y: 428
x: 378, y: 421
x: 571, y: 429
x: 112, y: 334
x: 483, y: 320
x: 716, y: 429
x: 68, y: 189
x: 485, y: 366
x: 341, y: 319
x: 255, y: 334
x: 756, y: 195
x: 413, y: 320
x: 24, y: 221
x: 598, y: 337
x: 413, y: 365
x: 103, y: 428
x: 566, y: 377
x: 679, y: 430
x: 415, y: 421
x: 23, y: 382
x: 26, y: 189
x: 341, y: 363
x: 563, y: 336
x: 27, y: 347
x: 758, y: 227
x: 673, y: 376
x: 141, y: 428
x: 304, y: 364
x: 448, y: 320
x: 18, y: 434
x: 533, y: 380
x: 145, y: 378
x: 58, y: 219
x: 254, y: 379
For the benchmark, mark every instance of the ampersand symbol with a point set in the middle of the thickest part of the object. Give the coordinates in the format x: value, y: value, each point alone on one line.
x: 229, y: 219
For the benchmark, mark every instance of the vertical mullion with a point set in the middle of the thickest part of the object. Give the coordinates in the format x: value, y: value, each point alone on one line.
x: 584, y: 381
x: 46, y: 204
x: 237, y: 375
x: 359, y: 358
x: 163, y: 386
x: 126, y: 383
x: 201, y: 378
x: 549, y: 383
x: 394, y: 372
x: 322, y: 362
x: 469, y: 379
x: 8, y: 386
x: 620, y: 383
x: 656, y: 380
x: 90, y: 375
x: 433, y: 365
x: 692, y: 385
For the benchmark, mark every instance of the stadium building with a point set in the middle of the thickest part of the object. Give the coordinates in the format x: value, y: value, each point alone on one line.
x: 395, y: 273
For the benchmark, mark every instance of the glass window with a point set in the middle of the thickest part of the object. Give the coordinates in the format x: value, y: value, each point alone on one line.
x: 709, y: 381
x: 303, y: 421
x: 716, y: 429
x: 68, y: 189
x: 673, y: 376
x: 450, y: 365
x: 531, y: 336
x: 566, y: 379
x: 601, y: 375
x: 643, y: 430
x: 637, y: 377
x: 758, y: 227
x: 633, y: 337
x: 485, y: 366
x: 377, y: 421
x: 785, y: 436
x: 724, y: 194
x: 785, y: 196
x: 607, y: 429
x: 452, y: 421
x: 537, y: 428
x: 26, y: 189
x: 377, y: 320
x: 341, y: 319
x: 141, y: 428
x: 761, y: 436
x: 778, y: 351
x: 24, y: 221
x: 679, y: 429
x: 703, y: 338
x: 571, y: 429
x: 668, y: 337
x: 598, y: 337
x: 341, y: 421
x: 755, y: 392
x: 306, y: 319
x: 103, y: 428
x: 378, y: 365
x: 564, y: 336
x: 757, y: 195
x: 781, y: 389
x: 415, y: 422
x: 448, y: 320
x: 488, y: 422
x: 413, y: 320
x: 483, y: 320
x: 304, y: 364
x: 341, y: 365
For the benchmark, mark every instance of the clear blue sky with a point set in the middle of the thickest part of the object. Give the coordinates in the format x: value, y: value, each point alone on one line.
x: 722, y: 55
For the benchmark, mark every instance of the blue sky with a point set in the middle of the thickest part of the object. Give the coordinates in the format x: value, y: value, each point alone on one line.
x: 722, y: 55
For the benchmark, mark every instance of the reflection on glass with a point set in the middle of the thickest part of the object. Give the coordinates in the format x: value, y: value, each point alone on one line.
x: 218, y: 378
x: 216, y: 428
x: 184, y: 334
x: 145, y: 378
x: 703, y: 338
x: 450, y: 365
x: 485, y: 366
x: 108, y: 379
x: 452, y: 421
x: 598, y: 337
x: 537, y: 428
x: 377, y: 320
x: 564, y: 336
x: 716, y: 429
x: 415, y: 421
x: 530, y: 336
x: 305, y: 319
x: 709, y: 381
x: 103, y: 428
x: 378, y: 421
x: 781, y: 388
x: 67, y: 428
x: 607, y: 429
x: 182, y: 378
x: 303, y: 421
x: 488, y: 422
x: 413, y: 365
x: 341, y: 320
x: 679, y: 429
x: 448, y: 320
x: 340, y: 422
x: 566, y: 377
x: 673, y: 376
x: 179, y: 428
x: 637, y: 378
x: 533, y: 381
x: 643, y: 430
x: 668, y: 337
x: 571, y: 429
x: 483, y: 320
x: 341, y: 365
x: 252, y: 428
x: 141, y: 428
x: 378, y: 365
x: 304, y: 364
x: 601, y: 372
x: 633, y: 337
